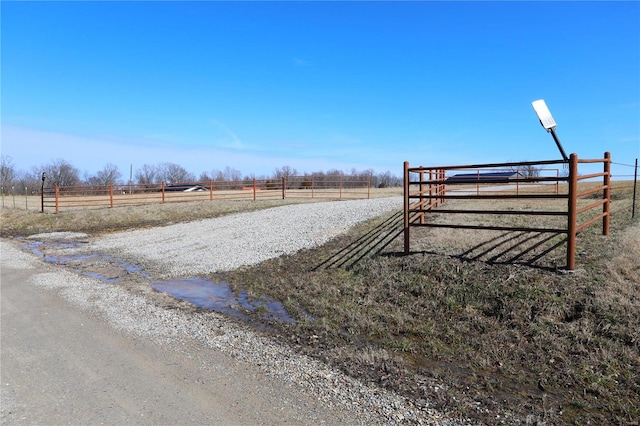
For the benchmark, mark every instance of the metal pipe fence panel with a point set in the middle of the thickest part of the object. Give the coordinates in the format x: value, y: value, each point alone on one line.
x: 427, y: 188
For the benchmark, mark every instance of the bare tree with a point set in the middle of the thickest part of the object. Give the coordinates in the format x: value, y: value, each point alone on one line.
x: 7, y: 172
x: 174, y: 173
x: 527, y: 171
x: 147, y: 174
x: 230, y: 173
x: 107, y: 176
x: 285, y: 172
x: 60, y: 172
x: 31, y: 181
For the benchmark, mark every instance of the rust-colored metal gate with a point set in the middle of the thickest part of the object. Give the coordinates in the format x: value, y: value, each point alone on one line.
x: 426, y: 190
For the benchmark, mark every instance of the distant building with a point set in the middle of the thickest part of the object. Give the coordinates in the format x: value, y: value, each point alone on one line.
x: 184, y: 188
x: 484, y: 177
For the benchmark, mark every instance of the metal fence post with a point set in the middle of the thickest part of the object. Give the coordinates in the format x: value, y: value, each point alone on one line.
x: 635, y: 184
x: 406, y: 207
x: 606, y: 207
x: 572, y: 212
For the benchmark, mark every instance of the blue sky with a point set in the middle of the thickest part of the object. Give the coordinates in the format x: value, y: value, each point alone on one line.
x: 316, y: 85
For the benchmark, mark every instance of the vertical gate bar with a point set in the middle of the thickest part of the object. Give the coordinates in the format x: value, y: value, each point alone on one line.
x: 369, y: 187
x: 444, y: 186
x: 422, y: 191
x: 572, y: 212
x: 607, y: 194
x: 406, y: 207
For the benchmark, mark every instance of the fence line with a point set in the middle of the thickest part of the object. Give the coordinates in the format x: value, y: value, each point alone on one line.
x: 431, y: 193
x: 59, y: 197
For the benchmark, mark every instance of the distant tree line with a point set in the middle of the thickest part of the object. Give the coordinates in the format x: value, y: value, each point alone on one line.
x: 60, y: 172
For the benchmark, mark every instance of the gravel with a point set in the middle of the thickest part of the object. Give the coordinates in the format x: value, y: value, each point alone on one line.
x: 185, y: 250
x: 225, y: 243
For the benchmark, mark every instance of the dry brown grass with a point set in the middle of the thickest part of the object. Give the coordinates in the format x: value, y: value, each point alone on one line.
x: 489, y: 317
x: 26, y: 219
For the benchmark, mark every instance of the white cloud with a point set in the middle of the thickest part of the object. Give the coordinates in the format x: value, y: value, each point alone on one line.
x: 235, y: 140
x: 299, y: 62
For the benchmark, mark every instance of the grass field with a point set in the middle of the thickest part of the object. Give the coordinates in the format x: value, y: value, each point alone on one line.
x: 485, y: 324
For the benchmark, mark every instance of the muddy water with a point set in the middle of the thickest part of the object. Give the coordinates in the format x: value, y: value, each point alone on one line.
x: 201, y: 292
x: 219, y: 296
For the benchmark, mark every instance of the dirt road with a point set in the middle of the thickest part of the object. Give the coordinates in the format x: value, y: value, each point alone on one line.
x: 60, y: 364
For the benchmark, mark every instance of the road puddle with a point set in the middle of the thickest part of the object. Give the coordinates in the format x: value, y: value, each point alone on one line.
x: 201, y: 292
x: 220, y: 297
x: 106, y: 268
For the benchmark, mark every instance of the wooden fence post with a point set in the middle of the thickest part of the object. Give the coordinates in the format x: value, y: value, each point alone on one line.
x: 254, y: 189
x: 284, y: 186
x: 57, y: 192
x: 111, y: 195
x: 210, y: 189
x: 406, y: 207
x: 163, y: 192
x: 607, y: 194
x: 572, y: 212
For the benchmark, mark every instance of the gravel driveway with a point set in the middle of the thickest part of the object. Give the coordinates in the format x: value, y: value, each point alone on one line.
x: 315, y: 393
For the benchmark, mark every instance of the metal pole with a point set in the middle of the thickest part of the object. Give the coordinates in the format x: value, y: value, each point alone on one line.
x: 406, y: 207
x: 635, y: 181
x: 606, y: 207
x: 572, y: 212
x: 557, y: 141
